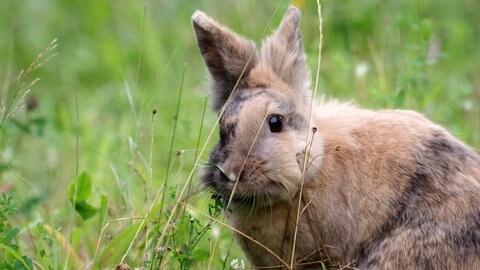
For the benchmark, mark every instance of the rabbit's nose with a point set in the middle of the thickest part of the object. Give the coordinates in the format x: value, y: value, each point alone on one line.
x: 232, y: 177
x: 230, y: 171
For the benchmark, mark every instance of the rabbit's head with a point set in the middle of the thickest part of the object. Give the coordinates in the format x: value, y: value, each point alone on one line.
x: 263, y: 101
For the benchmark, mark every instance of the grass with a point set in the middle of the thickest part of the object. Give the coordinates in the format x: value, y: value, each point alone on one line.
x: 90, y: 115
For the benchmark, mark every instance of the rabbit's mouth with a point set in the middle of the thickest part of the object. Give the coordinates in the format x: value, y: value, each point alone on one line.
x: 252, y: 200
x: 249, y: 189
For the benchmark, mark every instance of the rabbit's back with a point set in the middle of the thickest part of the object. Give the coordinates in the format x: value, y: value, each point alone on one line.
x: 409, y: 191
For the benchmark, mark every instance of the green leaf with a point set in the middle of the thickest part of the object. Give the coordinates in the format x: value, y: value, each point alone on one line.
x: 85, y: 210
x: 103, y: 210
x: 118, y: 245
x: 22, y: 127
x: 9, y: 235
x: 78, y: 193
x: 80, y: 189
x: 19, y: 265
x: 201, y: 255
x: 16, y: 255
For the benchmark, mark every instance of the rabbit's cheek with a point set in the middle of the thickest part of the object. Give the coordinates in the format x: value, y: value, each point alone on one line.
x: 300, y: 158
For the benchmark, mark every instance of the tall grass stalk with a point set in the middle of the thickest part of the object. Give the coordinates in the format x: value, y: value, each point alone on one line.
x: 310, y: 135
x: 20, y: 88
x: 182, y: 214
x: 170, y: 154
x: 148, y: 193
x: 162, y: 192
x: 77, y: 165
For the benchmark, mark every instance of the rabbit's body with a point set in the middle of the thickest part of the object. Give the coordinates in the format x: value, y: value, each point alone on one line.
x: 394, y: 191
x: 381, y: 189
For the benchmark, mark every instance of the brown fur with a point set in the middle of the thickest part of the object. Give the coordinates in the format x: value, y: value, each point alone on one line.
x: 382, y: 190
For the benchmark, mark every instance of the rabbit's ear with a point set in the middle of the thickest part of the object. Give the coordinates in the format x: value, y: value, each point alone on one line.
x: 283, y: 52
x: 228, y: 56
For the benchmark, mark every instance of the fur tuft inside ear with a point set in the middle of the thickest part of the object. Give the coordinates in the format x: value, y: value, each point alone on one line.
x: 283, y: 52
x: 228, y: 56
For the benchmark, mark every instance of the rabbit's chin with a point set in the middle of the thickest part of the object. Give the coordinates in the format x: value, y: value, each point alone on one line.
x: 261, y: 190
x: 253, y: 202
x: 264, y: 199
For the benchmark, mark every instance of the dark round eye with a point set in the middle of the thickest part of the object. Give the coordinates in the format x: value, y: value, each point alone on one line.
x: 276, y: 123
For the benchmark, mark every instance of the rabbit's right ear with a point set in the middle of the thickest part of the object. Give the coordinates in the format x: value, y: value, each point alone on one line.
x: 229, y: 57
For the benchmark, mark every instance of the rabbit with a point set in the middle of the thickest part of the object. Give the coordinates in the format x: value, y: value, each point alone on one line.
x: 330, y: 185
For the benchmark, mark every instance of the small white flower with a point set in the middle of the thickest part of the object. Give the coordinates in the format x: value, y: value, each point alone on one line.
x: 215, y: 231
x: 238, y: 264
x: 468, y: 105
x: 361, y: 69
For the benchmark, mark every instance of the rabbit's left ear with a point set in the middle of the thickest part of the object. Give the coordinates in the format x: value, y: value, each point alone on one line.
x: 228, y: 56
x: 283, y: 52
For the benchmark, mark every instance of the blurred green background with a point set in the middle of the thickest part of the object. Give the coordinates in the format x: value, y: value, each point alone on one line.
x: 91, y: 111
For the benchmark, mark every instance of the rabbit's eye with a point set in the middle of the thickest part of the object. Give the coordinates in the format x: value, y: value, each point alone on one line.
x: 276, y: 123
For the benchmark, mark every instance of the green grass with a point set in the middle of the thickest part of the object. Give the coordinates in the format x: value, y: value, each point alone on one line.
x: 118, y: 61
